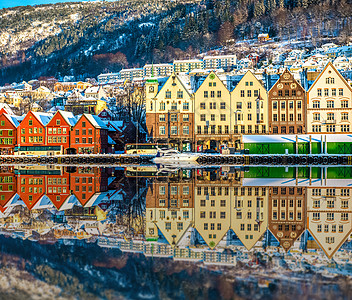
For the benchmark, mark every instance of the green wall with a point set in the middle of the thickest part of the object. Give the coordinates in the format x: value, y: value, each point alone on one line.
x: 301, y: 172
x: 303, y: 148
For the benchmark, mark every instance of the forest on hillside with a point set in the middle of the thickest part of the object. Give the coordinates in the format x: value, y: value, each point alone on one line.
x: 85, y: 40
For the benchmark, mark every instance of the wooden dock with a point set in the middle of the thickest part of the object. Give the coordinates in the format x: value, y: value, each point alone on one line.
x: 204, y: 159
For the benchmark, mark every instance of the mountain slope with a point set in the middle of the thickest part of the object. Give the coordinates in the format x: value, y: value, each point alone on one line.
x: 86, y: 38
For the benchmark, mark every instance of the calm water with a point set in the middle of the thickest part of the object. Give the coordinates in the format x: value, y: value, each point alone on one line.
x: 149, y: 233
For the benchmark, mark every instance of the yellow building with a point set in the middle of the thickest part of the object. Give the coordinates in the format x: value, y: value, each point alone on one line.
x: 249, y: 214
x: 170, y: 112
x: 212, y: 118
x: 329, y: 217
x: 249, y: 103
x: 329, y: 106
x: 212, y: 211
x: 83, y: 85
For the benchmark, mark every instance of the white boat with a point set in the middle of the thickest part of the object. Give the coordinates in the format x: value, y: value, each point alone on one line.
x: 172, y: 156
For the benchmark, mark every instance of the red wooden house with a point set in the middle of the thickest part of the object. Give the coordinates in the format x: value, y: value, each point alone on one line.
x: 89, y: 135
x: 58, y: 130
x: 31, y: 133
x: 58, y: 188
x: 7, y: 186
x: 8, y: 133
x: 31, y: 188
x: 87, y: 182
x: 106, y: 114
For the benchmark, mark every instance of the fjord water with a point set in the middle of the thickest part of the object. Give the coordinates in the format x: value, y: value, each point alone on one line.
x: 159, y: 232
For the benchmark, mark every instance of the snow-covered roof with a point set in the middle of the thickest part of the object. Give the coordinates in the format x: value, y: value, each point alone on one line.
x: 92, y: 89
x: 69, y: 117
x: 15, y: 120
x: 111, y: 141
x: 7, y: 108
x: 96, y: 121
x: 44, y: 118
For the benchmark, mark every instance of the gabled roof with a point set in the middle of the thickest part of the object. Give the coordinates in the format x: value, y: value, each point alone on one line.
x: 337, y: 72
x: 6, y: 108
x: 68, y: 116
x: 42, y: 117
x: 249, y: 72
x: 15, y: 120
x: 95, y: 121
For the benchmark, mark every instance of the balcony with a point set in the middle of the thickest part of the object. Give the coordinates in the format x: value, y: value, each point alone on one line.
x: 329, y: 122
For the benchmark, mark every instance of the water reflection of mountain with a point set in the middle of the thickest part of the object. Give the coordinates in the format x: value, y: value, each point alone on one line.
x: 217, y: 216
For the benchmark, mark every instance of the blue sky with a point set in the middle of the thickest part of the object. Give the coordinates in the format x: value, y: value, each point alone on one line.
x: 12, y: 3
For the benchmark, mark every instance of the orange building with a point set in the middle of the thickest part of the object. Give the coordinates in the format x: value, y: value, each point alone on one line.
x: 31, y: 188
x: 86, y: 183
x: 7, y: 186
x: 8, y: 133
x: 89, y: 135
x: 58, y: 130
x: 58, y: 188
x: 31, y: 133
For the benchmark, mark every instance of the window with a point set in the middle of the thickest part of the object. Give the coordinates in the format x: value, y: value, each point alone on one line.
x: 330, y: 128
x: 333, y: 92
x: 256, y: 93
x: 330, y: 116
x: 185, y: 118
x: 222, y: 105
x: 162, y: 105
x: 179, y: 94
x: 275, y: 117
x: 290, y: 105
x: 319, y: 92
x: 222, y: 117
x: 173, y: 118
x: 185, y: 130
x: 174, y: 130
x: 340, y: 92
x: 212, y: 105
x: 218, y: 94
x: 161, y: 118
x: 212, y: 117
x: 316, y: 117
x: 174, y: 106
x: 185, y: 106
x: 344, y: 104
x: 330, y: 104
x: 239, y: 105
x: 280, y: 93
x: 299, y: 104
x: 345, y: 128
x: 249, y: 117
x: 344, y: 116
x: 202, y: 105
x: 274, y: 105
x: 83, y: 124
x: 316, y: 104
x: 205, y: 94
x: 212, y: 94
x: 287, y: 93
x: 242, y: 93
x: 168, y: 94
x: 283, y: 117
x: 316, y: 128
x: 326, y: 92
x: 283, y: 105
x: 161, y: 130
x: 249, y: 93
x: 202, y: 117
x: 30, y: 122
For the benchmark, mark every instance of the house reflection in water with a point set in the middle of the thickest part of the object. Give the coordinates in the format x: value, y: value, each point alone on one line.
x: 213, y: 215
